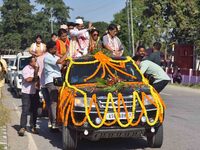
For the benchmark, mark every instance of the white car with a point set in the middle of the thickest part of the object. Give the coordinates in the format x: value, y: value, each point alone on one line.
x: 20, y: 63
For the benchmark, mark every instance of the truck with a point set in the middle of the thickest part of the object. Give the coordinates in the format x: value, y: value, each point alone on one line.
x: 106, y: 97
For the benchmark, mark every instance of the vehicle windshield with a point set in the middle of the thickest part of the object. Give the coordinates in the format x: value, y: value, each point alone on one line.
x: 79, y: 72
x: 22, y: 63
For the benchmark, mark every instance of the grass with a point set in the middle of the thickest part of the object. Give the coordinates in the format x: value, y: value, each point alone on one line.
x: 4, y: 117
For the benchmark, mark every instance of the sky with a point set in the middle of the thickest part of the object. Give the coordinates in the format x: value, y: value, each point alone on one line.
x: 93, y: 10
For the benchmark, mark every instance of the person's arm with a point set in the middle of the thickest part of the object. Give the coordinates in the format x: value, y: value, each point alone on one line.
x: 77, y: 32
x: 62, y: 59
x: 143, y: 67
x: 31, y: 50
x: 28, y: 76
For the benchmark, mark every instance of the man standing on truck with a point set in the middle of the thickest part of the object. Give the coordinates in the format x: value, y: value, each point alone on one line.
x: 52, y: 70
x: 156, y: 75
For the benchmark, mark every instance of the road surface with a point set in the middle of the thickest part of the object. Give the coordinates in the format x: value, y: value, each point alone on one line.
x: 181, y: 126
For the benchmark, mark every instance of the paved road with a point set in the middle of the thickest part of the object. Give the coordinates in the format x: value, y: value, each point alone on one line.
x: 181, y: 126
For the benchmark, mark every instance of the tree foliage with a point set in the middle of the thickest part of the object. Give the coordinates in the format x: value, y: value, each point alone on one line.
x: 163, y: 20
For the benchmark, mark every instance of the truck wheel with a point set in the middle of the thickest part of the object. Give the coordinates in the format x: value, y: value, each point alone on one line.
x: 69, y: 139
x: 155, y: 140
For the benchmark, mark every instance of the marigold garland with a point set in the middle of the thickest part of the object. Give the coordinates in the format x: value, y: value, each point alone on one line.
x: 67, y: 97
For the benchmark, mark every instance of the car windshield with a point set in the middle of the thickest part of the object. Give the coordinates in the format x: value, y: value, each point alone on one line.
x: 22, y: 63
x: 79, y: 72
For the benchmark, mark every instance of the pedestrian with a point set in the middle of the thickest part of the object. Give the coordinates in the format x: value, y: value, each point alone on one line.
x: 3, y: 71
x: 157, y: 76
x: 29, y: 103
x: 141, y: 51
x: 155, y: 56
x: 37, y: 48
x: 54, y: 37
x: 52, y: 70
x: 111, y: 42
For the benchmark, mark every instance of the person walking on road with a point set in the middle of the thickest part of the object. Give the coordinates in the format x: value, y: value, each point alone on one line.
x: 29, y: 79
x: 3, y: 71
x: 52, y: 70
x: 156, y: 75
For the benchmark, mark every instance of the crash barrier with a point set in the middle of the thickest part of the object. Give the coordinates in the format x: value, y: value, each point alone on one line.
x: 68, y: 96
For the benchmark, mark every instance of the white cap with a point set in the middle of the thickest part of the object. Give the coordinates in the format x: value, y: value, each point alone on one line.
x: 79, y: 21
x: 63, y: 26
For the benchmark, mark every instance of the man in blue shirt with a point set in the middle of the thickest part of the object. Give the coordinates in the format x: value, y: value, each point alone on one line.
x: 52, y: 70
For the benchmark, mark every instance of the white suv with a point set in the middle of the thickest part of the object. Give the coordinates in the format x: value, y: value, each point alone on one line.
x: 20, y: 63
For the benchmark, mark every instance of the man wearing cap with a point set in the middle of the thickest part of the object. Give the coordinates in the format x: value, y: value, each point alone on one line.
x: 81, y: 36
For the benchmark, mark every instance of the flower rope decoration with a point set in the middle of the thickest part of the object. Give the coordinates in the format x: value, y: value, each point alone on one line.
x: 68, y: 94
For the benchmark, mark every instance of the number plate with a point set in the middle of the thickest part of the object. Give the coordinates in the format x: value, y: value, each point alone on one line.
x: 111, y: 116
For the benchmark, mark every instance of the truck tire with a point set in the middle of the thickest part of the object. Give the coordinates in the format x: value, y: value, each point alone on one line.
x: 155, y: 140
x: 69, y: 139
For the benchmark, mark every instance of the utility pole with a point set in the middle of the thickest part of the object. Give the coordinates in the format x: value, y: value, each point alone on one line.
x: 51, y: 19
x: 128, y: 21
x: 132, y: 32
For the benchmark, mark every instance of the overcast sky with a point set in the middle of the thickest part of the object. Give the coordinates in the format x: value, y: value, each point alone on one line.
x: 93, y: 10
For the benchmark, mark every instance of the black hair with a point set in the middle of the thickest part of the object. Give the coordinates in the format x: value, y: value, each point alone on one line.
x: 29, y: 59
x: 141, y: 46
x: 157, y: 45
x: 94, y: 30
x: 112, y: 27
x: 137, y: 58
x: 50, y: 45
x: 38, y: 36
x: 53, y: 34
x: 61, y: 31
x: 71, y: 24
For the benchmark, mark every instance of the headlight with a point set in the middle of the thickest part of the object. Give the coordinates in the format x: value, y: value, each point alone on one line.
x: 146, y: 100
x: 79, y: 102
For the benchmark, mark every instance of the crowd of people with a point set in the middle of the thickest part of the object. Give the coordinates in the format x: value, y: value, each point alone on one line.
x: 74, y: 40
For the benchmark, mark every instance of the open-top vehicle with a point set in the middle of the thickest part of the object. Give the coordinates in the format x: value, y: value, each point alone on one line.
x: 105, y: 97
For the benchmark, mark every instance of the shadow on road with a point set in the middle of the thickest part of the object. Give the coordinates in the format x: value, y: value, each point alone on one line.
x: 12, y: 92
x: 113, y: 144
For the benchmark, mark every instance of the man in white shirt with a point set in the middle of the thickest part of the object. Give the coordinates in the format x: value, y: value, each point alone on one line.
x: 81, y: 36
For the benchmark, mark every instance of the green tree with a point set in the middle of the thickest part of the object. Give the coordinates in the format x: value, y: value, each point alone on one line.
x: 16, y: 23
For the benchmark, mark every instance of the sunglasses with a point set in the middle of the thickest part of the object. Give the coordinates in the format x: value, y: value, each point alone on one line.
x: 95, y: 34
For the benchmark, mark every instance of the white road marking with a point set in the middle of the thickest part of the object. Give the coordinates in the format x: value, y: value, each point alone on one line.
x: 31, y: 144
x: 162, y: 93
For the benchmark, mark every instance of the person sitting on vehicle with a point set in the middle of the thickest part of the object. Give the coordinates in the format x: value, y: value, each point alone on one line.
x: 141, y: 51
x: 62, y: 43
x: 158, y: 76
x: 37, y: 48
x: 111, y: 42
x: 81, y: 37
x: 52, y: 70
x: 94, y: 40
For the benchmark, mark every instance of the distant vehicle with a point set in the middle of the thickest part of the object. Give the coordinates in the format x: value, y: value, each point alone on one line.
x: 20, y: 63
x: 10, y: 59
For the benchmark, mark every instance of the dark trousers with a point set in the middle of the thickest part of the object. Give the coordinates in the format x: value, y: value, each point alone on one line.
x: 53, y: 95
x: 30, y: 104
x: 159, y: 86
